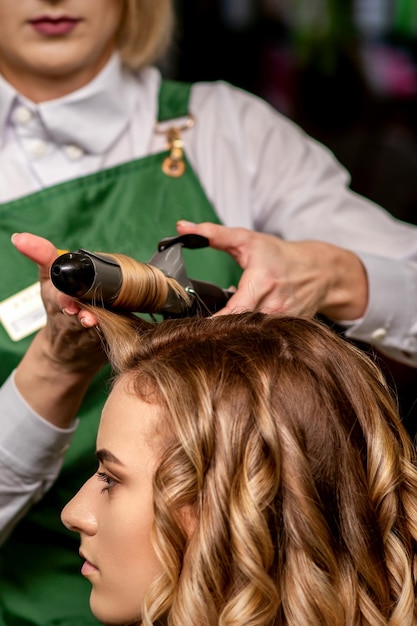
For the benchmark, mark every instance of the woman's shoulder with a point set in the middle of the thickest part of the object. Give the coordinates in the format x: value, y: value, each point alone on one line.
x: 225, y: 94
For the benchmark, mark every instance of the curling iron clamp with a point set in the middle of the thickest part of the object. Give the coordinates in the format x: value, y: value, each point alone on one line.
x: 99, y: 279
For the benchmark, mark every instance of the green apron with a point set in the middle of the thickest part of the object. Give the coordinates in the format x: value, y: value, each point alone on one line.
x: 125, y: 209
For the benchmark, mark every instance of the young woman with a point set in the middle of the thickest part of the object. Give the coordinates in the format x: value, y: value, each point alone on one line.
x: 97, y: 151
x: 252, y: 470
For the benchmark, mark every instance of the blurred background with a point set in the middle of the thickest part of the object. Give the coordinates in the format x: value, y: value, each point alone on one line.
x: 345, y: 70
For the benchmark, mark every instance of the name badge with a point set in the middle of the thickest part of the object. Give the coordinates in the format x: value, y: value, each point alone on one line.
x: 23, y: 313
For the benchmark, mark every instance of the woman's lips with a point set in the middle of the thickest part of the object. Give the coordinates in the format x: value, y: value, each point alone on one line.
x: 54, y: 26
x: 88, y: 568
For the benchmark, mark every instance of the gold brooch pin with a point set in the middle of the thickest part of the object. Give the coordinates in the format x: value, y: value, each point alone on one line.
x: 174, y: 164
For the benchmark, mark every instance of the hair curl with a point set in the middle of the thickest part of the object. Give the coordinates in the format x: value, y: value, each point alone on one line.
x: 285, y: 444
x: 145, y: 32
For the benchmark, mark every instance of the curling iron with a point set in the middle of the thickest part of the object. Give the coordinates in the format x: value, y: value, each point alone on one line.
x: 99, y: 279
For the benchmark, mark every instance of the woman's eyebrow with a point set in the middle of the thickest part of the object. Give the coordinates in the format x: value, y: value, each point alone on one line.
x: 106, y: 455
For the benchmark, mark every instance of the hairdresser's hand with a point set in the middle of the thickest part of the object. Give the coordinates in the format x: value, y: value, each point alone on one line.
x: 294, y: 278
x: 55, y: 372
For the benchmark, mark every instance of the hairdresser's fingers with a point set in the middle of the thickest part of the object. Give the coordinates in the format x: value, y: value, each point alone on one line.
x: 38, y: 249
x: 253, y: 252
x: 43, y: 252
x: 255, y: 292
x: 87, y: 319
x: 250, y: 250
x: 234, y: 241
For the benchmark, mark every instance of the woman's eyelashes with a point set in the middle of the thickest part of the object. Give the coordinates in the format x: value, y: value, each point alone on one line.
x: 110, y: 482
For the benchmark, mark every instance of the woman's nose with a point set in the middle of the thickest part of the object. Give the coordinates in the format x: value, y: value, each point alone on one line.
x: 78, y: 514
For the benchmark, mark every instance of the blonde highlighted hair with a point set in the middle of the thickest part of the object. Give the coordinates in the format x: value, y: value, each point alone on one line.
x: 145, y: 32
x: 283, y: 444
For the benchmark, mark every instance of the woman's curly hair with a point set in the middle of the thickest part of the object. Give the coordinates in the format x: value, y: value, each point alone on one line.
x: 286, y: 492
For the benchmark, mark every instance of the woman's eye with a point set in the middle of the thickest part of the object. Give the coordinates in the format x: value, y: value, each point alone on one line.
x: 110, y: 482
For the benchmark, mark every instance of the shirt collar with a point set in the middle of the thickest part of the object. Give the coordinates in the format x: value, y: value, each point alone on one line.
x: 92, y: 117
x: 7, y: 98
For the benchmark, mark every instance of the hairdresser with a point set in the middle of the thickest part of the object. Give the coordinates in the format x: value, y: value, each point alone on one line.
x: 97, y: 152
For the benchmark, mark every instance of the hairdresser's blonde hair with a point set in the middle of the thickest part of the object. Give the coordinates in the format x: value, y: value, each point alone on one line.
x: 145, y: 32
x: 283, y: 444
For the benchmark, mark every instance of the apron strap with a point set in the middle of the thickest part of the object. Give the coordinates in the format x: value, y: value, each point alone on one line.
x: 173, y: 99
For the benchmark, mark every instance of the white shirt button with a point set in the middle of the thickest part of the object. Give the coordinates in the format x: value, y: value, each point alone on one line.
x: 73, y: 152
x: 379, y: 334
x: 22, y: 115
x: 38, y: 148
